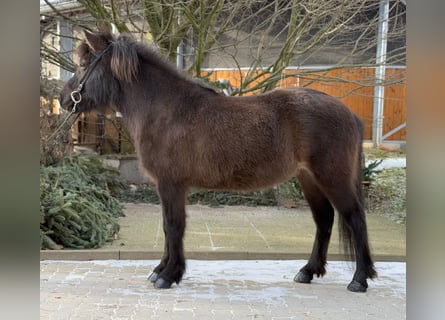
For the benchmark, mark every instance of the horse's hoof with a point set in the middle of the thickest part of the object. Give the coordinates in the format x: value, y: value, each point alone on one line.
x: 162, y: 284
x: 153, y: 277
x: 302, y: 277
x: 356, y: 286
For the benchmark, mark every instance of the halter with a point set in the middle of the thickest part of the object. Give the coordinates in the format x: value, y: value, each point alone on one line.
x: 75, y: 95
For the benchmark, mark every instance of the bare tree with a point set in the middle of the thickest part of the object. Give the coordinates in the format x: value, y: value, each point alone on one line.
x: 266, y: 36
x: 338, y: 34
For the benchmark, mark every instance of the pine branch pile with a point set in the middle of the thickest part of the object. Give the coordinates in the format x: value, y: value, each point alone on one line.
x: 77, y: 208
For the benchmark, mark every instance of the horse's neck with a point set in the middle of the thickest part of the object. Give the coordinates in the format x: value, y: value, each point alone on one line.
x: 164, y: 80
x: 154, y: 93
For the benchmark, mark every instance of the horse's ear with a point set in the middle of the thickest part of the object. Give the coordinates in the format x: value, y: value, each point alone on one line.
x: 95, y: 41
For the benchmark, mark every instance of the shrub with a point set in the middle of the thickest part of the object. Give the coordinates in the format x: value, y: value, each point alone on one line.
x: 387, y: 194
x: 369, y: 171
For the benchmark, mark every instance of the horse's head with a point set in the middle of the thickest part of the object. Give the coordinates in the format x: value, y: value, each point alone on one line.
x: 104, y: 63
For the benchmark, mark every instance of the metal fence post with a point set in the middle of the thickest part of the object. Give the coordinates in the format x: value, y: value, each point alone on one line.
x: 379, y: 89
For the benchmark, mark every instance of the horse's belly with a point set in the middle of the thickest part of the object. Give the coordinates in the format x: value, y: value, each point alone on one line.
x: 248, y: 179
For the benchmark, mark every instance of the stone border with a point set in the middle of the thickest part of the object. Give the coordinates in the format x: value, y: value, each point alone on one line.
x: 85, y: 255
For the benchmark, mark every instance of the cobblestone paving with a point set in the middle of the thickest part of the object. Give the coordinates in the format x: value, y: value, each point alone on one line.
x: 113, y: 289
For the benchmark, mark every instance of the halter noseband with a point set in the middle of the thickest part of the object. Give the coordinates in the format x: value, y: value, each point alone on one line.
x: 76, y: 97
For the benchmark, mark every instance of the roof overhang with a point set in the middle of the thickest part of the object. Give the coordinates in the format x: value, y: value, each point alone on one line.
x: 61, y: 5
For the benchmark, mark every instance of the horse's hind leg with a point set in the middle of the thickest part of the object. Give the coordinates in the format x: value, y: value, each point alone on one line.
x: 353, y: 230
x: 323, y: 214
x: 172, y: 265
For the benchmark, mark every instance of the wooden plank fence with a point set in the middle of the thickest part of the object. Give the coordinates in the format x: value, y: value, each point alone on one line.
x: 354, y: 87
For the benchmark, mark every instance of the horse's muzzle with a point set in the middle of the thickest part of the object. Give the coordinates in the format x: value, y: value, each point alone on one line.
x: 66, y: 102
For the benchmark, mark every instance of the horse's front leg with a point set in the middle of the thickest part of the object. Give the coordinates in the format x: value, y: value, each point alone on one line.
x: 172, y: 265
x: 161, y: 266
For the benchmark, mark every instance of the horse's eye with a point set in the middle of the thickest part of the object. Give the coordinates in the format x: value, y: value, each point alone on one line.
x: 83, y: 64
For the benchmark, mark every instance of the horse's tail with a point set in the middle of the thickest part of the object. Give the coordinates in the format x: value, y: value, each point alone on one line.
x: 361, y: 162
x: 357, y: 209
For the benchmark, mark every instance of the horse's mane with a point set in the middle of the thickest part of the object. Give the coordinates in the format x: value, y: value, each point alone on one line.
x: 127, y: 55
x: 152, y: 55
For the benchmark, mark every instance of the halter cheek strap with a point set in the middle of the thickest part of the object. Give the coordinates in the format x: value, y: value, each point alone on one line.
x: 76, y: 96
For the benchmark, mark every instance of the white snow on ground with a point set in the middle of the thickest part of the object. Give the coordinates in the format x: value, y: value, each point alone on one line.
x: 267, y: 273
x: 390, y: 163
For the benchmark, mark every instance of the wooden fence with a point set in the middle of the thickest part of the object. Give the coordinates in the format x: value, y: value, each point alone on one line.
x: 355, y: 87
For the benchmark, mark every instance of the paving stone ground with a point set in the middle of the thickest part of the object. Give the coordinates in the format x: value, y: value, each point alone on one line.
x: 111, y: 283
x: 221, y: 290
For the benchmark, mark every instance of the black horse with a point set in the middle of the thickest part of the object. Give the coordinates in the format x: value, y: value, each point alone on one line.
x: 187, y: 135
